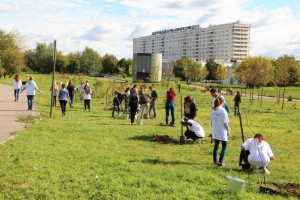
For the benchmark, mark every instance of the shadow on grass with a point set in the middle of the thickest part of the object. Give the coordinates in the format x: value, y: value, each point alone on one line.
x: 157, y: 161
x: 148, y: 138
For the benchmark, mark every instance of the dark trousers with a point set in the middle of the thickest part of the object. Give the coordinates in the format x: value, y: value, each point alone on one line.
x: 63, y: 104
x: 223, y: 151
x: 133, y: 110
x: 71, y: 100
x: 17, y: 94
x: 87, y: 103
x: 152, y: 106
x: 191, y: 135
x: 54, y: 100
x: 118, y: 108
x: 30, y: 101
x: 236, y: 108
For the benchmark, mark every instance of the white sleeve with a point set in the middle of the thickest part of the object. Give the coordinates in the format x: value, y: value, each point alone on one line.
x: 246, y: 144
x: 225, y: 117
x: 269, y: 151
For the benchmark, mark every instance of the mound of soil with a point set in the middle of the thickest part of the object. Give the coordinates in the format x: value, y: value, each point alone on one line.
x: 289, y: 189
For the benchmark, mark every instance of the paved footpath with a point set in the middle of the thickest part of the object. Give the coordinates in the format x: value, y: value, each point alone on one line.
x: 10, y: 111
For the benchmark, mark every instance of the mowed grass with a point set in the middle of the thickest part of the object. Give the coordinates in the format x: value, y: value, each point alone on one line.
x: 89, y: 155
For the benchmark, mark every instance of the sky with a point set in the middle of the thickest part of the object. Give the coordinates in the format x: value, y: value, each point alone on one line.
x: 108, y: 26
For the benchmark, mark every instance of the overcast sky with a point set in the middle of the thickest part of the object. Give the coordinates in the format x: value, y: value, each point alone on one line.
x: 108, y: 26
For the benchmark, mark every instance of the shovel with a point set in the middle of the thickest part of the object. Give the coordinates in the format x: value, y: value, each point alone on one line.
x: 182, y: 137
x: 244, y: 154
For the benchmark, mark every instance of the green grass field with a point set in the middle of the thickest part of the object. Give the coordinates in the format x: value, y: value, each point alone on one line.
x: 89, y: 155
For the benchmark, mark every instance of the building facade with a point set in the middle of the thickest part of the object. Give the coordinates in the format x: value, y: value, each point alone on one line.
x: 226, y: 42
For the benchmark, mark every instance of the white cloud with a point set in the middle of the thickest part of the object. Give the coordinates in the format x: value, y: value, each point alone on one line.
x: 108, y: 26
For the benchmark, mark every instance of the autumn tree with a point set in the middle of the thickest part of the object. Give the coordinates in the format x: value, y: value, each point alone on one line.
x: 254, y: 71
x: 221, y: 73
x: 286, y: 72
x: 11, y: 55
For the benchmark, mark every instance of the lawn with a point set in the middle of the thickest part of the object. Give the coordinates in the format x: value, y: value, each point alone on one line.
x: 89, y: 155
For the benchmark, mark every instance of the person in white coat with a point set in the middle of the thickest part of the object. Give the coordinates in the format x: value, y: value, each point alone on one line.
x: 220, y: 131
x: 30, y: 88
x: 260, y: 152
x: 194, y: 130
x: 17, y: 87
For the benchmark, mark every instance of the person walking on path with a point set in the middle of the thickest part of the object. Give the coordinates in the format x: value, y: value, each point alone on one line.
x: 30, y: 88
x: 63, y: 98
x: 71, y: 90
x: 87, y: 96
x: 179, y: 87
x: 153, y: 101
x: 171, y: 95
x: 237, y: 101
x: 220, y: 131
x: 54, y: 92
x: 17, y: 87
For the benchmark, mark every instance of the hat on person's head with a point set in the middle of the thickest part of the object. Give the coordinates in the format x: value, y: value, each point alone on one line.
x: 212, y: 90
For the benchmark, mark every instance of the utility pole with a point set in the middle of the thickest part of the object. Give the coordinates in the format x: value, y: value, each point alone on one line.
x: 53, y: 75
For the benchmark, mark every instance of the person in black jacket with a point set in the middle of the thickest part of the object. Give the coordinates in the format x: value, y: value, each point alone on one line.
x: 237, y: 101
x: 117, y: 101
x: 190, y: 110
x: 133, y: 104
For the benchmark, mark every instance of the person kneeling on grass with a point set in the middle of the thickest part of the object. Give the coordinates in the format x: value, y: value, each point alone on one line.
x: 194, y: 130
x: 260, y: 153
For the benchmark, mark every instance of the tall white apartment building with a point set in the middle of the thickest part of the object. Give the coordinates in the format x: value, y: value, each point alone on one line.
x: 226, y: 42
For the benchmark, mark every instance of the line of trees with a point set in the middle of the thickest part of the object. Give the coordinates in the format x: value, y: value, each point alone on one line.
x: 40, y: 59
x: 192, y: 70
x: 261, y: 71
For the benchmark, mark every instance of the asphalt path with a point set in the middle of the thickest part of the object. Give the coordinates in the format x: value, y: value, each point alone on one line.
x: 11, y: 111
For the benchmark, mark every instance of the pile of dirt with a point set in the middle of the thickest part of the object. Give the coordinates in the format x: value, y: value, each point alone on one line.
x: 288, y: 189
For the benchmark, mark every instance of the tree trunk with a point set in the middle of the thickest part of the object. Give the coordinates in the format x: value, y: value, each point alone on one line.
x: 283, y: 97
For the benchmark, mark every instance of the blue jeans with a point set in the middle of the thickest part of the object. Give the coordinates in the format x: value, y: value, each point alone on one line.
x: 30, y: 101
x: 170, y: 106
x: 223, y: 151
x: 17, y: 94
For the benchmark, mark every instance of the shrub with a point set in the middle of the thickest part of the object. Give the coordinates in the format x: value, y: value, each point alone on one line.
x: 290, y: 98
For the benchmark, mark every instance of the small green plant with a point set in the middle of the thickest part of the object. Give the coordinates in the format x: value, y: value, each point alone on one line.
x: 27, y: 119
x: 290, y: 98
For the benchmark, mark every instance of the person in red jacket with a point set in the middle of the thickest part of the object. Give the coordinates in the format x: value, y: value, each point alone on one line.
x: 171, y: 95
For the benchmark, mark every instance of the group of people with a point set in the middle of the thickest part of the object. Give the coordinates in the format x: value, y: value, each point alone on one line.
x: 64, y: 94
x: 260, y: 151
x: 136, y: 100
x: 30, y: 88
x: 68, y: 93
